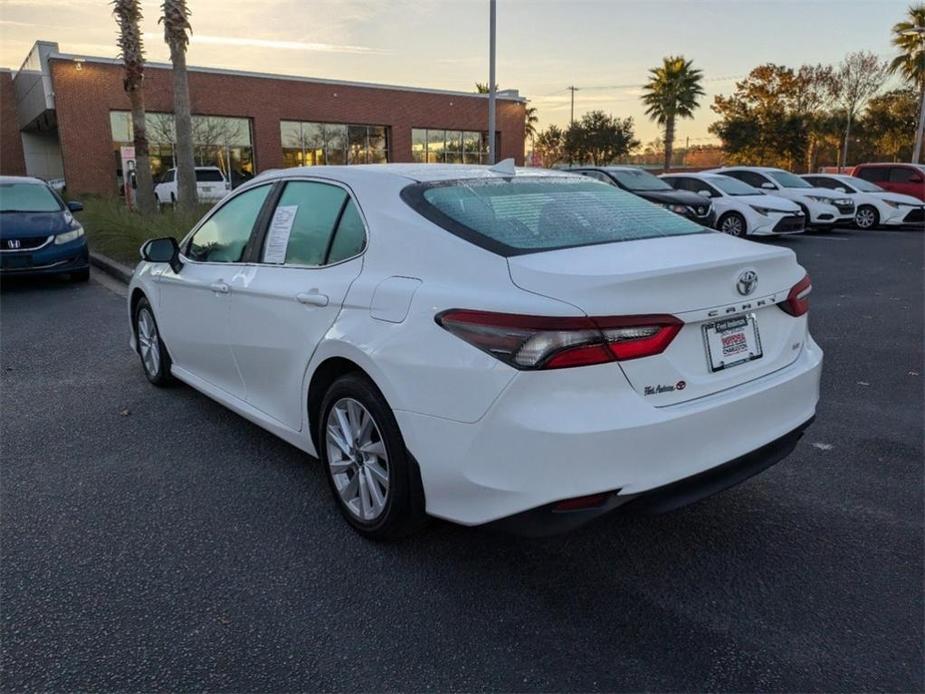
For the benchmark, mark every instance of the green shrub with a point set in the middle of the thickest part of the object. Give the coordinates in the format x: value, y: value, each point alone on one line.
x: 117, y: 232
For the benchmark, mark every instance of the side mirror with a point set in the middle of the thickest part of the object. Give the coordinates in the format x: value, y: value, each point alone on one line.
x: 916, y: 179
x: 704, y: 193
x: 75, y: 206
x: 163, y: 250
x: 767, y: 185
x: 839, y: 189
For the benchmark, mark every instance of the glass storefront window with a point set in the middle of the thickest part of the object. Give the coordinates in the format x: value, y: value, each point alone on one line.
x: 449, y: 146
x: 333, y: 143
x: 217, y: 141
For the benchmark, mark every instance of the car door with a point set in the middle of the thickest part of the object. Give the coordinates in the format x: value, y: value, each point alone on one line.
x: 282, y: 306
x: 194, y: 306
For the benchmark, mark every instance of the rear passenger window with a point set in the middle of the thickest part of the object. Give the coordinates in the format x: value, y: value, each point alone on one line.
x: 350, y: 237
x: 302, y: 224
x: 901, y: 174
x: 874, y: 173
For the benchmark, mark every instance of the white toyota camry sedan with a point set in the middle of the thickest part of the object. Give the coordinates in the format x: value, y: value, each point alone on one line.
x: 520, y: 347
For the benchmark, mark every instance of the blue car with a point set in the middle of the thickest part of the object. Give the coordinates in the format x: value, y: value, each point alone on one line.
x: 38, y: 232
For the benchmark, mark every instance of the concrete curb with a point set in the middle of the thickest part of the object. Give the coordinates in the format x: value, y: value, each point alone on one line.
x: 113, y: 268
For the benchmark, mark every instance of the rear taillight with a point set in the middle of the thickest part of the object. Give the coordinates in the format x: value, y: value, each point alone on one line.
x: 544, y: 342
x: 797, y: 301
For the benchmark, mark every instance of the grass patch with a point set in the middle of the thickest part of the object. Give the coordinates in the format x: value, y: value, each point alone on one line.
x: 117, y: 232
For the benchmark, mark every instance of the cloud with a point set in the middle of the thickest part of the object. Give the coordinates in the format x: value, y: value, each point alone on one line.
x: 278, y: 45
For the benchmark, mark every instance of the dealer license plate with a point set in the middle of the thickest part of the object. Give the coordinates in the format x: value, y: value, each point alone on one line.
x: 731, y: 341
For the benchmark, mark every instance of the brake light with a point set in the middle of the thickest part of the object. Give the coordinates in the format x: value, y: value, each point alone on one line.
x: 545, y: 342
x: 797, y: 301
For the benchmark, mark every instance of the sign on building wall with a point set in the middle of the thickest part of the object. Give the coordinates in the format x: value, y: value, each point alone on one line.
x: 128, y: 173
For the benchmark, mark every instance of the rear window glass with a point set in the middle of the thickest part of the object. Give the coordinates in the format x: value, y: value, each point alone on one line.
x: 514, y: 216
x: 208, y: 175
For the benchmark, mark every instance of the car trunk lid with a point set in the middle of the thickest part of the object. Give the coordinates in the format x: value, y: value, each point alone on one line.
x: 696, y: 279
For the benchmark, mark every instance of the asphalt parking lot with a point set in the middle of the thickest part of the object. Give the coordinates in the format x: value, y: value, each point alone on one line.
x: 152, y: 540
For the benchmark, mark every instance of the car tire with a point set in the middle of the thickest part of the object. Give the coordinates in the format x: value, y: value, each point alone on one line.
x: 866, y: 217
x: 734, y: 224
x: 374, y: 479
x: 81, y: 275
x: 155, y: 360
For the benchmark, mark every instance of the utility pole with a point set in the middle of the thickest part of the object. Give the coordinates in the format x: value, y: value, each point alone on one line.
x: 572, y: 89
x: 491, y: 82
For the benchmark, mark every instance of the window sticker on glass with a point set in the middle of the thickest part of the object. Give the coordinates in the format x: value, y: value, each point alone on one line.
x: 274, y: 249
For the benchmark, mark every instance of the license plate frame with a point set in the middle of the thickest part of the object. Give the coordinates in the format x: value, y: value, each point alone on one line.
x: 15, y: 262
x: 731, y: 341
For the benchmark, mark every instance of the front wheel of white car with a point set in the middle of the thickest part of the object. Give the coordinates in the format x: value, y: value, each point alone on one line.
x: 372, y: 476
x: 866, y: 217
x: 154, y: 357
x: 733, y: 224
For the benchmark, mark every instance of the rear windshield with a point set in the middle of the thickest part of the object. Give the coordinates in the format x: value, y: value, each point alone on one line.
x: 733, y: 186
x: 27, y: 197
x: 208, y: 175
x: 637, y: 179
x: 516, y: 216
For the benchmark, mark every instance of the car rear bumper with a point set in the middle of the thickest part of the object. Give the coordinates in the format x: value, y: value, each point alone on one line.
x: 550, y: 520
x: 568, y: 433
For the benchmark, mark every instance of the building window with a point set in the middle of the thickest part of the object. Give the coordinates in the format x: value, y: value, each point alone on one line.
x: 315, y: 144
x: 432, y: 146
x: 217, y: 141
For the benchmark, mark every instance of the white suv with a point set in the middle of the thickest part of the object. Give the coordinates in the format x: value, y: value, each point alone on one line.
x: 823, y: 208
x: 211, y: 185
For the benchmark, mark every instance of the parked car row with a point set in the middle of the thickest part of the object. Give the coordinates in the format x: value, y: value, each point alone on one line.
x: 766, y: 201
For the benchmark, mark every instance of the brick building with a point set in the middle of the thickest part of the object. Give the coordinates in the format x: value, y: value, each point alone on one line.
x: 72, y: 115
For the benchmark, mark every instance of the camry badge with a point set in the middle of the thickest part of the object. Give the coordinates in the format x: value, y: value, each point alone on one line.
x: 747, y: 282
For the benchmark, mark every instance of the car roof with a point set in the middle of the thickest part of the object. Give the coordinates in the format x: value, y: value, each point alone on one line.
x: 22, y: 179
x: 421, y: 173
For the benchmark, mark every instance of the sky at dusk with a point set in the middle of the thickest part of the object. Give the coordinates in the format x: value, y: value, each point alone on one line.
x: 603, y: 47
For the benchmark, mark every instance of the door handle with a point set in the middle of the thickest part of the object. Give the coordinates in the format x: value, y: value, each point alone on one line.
x: 220, y: 287
x: 312, y: 299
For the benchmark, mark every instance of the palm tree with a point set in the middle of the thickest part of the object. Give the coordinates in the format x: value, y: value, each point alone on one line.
x: 909, y: 38
x: 530, y: 121
x: 671, y: 93
x: 175, y: 18
x: 128, y: 17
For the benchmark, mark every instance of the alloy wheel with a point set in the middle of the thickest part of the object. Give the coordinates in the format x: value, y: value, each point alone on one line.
x: 732, y: 225
x: 149, y: 345
x: 865, y: 218
x: 358, y: 459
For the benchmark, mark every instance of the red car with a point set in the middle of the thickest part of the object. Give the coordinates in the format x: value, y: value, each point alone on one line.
x: 908, y: 179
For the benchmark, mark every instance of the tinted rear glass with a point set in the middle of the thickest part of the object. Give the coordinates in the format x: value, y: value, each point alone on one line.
x: 637, y: 179
x: 516, y: 216
x: 208, y: 175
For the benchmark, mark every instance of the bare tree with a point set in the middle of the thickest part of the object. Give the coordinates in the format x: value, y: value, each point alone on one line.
x: 814, y: 95
x: 128, y: 17
x: 858, y: 78
x: 175, y: 18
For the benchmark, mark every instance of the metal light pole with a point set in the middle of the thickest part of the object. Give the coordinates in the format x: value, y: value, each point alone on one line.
x: 917, y: 149
x: 491, y: 82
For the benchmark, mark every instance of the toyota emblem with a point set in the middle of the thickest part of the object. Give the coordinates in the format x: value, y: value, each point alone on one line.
x: 747, y: 282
